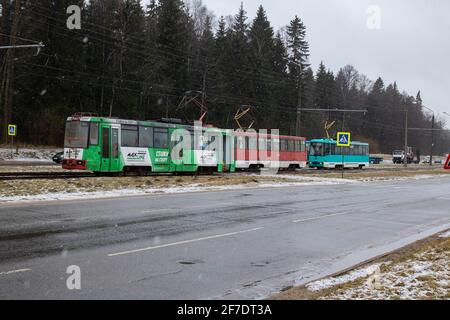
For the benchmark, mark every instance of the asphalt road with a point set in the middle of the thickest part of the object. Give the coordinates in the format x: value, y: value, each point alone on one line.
x: 243, y: 244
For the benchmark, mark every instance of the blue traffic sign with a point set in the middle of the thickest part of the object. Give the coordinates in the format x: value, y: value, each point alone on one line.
x: 343, y: 139
x: 12, y: 130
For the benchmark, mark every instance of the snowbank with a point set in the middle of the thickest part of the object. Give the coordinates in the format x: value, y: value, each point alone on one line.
x: 27, y: 154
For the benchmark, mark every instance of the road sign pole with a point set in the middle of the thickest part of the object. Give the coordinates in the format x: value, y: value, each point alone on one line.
x: 12, y: 131
x: 343, y: 140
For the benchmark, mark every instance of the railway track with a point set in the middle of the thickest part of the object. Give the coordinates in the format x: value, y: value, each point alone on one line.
x: 43, y: 175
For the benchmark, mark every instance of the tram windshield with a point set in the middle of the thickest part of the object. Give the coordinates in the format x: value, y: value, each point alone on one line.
x: 316, y: 149
x: 76, y: 135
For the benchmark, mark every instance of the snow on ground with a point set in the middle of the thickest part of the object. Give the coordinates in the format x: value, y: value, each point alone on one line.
x: 400, y: 178
x: 352, y: 276
x: 424, y: 275
x: 78, y: 195
x: 27, y: 154
x: 445, y: 235
x: 94, y: 188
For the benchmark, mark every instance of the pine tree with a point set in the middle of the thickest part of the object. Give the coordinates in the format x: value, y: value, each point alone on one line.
x: 263, y: 81
x: 298, y: 61
x: 239, y: 51
x: 172, y: 45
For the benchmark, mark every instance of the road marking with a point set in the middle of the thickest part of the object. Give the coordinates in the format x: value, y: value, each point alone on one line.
x: 184, y: 242
x: 322, y: 217
x: 14, y: 271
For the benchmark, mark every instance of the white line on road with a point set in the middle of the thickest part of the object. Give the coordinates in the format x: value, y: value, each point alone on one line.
x: 184, y: 242
x: 14, y: 271
x: 322, y: 217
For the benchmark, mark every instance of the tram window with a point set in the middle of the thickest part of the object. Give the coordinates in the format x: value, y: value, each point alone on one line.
x: 115, y: 143
x: 262, y: 144
x: 247, y: 143
x: 302, y: 146
x: 76, y: 135
x: 191, y: 136
x: 252, y: 143
x: 160, y: 138
x: 240, y: 143
x: 145, y: 137
x: 130, y: 136
x: 211, y: 139
x: 269, y: 144
x: 316, y: 149
x: 283, y: 145
x: 327, y: 149
x: 93, y: 134
x: 291, y: 146
x: 297, y: 145
x: 332, y: 149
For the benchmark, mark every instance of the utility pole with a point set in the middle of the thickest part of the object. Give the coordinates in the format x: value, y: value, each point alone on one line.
x: 298, y: 122
x: 7, y: 84
x: 343, y: 121
x: 432, y: 140
x: 405, y: 159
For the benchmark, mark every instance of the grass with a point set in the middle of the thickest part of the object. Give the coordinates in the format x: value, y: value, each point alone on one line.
x: 14, y: 188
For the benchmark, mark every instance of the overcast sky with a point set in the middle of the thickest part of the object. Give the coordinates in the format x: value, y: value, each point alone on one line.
x: 412, y: 47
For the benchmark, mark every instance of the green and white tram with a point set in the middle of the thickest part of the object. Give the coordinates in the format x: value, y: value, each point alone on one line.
x: 107, y: 145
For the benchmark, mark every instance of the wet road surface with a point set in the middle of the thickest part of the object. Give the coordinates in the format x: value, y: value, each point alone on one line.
x: 243, y: 244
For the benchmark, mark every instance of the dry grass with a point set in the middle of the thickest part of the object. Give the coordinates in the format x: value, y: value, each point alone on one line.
x: 35, y: 187
x: 13, y: 188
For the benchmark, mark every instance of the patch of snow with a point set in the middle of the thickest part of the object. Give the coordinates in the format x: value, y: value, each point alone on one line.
x: 415, y: 177
x: 169, y: 190
x: 26, y: 154
x: 425, y: 276
x: 348, y: 277
x: 445, y: 234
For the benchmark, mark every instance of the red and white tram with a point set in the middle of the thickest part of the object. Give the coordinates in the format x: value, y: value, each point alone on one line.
x: 256, y: 151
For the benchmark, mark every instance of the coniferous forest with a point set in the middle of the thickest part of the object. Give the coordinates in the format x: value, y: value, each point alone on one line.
x: 173, y: 59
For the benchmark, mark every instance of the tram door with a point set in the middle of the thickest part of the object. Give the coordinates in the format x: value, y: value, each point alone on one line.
x: 110, y: 148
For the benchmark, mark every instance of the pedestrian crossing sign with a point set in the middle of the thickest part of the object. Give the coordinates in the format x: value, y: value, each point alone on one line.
x: 343, y: 139
x: 12, y: 130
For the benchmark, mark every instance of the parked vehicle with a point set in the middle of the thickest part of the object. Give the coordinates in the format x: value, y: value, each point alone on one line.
x: 376, y: 160
x: 58, y: 158
x: 398, y: 156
